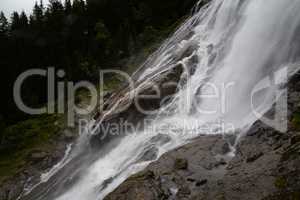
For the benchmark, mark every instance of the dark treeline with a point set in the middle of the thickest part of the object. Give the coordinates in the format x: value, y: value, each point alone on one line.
x: 77, y: 36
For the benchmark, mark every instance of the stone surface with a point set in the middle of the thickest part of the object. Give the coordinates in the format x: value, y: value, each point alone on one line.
x: 253, y: 173
x: 38, y: 162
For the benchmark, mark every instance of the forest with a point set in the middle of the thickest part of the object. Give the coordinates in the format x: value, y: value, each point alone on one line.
x: 79, y: 37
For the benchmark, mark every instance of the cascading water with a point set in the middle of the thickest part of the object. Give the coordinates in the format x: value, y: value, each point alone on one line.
x: 232, y: 45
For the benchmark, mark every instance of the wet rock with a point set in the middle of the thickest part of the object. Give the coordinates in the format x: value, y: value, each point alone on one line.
x: 187, y: 52
x: 255, y: 129
x: 107, y: 182
x: 160, y: 139
x: 230, y: 138
x: 127, y: 109
x: 180, y: 164
x: 150, y: 154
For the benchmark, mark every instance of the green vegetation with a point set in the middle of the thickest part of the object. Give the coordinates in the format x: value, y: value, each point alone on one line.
x: 20, y: 140
x: 79, y: 37
x: 280, y: 183
x: 296, y: 121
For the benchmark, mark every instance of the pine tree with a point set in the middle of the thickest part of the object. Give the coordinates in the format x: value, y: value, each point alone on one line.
x: 3, y: 24
x: 23, y: 20
x: 56, y: 7
x: 38, y: 12
x: 68, y: 6
x: 37, y: 17
x: 55, y: 15
x: 15, y: 21
x: 78, y: 7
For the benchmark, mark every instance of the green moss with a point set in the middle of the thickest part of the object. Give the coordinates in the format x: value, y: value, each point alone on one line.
x: 112, y: 83
x: 296, y: 120
x: 20, y: 140
x: 280, y: 183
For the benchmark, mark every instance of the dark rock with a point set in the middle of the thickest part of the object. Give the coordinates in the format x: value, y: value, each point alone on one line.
x: 201, y: 182
x: 107, y: 182
x: 254, y: 157
x: 295, y: 139
x: 191, y: 180
x: 107, y: 94
x: 251, y: 180
x: 220, y: 162
x: 180, y: 164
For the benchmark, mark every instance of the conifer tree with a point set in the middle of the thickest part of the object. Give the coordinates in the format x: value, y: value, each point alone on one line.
x: 3, y: 24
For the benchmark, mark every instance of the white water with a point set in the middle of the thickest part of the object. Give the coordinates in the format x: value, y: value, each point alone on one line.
x: 237, y: 43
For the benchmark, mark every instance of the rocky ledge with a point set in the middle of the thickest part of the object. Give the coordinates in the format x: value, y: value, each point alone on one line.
x: 266, y: 166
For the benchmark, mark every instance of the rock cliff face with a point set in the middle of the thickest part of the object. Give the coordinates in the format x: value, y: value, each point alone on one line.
x: 266, y: 165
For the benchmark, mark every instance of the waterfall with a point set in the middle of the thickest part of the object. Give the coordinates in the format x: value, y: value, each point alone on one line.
x: 227, y: 49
